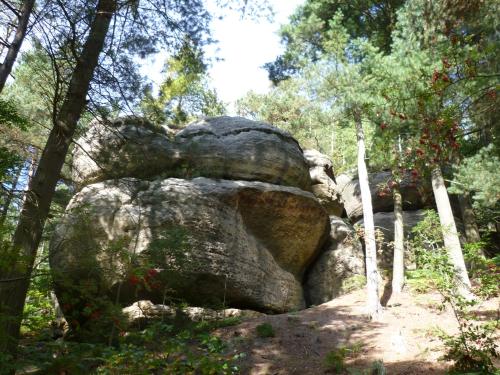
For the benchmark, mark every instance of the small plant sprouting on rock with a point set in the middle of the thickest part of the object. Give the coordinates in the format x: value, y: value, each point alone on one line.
x: 265, y: 330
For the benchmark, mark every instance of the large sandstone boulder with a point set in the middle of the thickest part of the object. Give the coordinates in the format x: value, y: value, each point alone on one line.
x: 208, y: 241
x: 126, y: 147
x: 342, y: 259
x: 239, y: 149
x: 416, y: 194
x: 219, y: 147
x: 323, y: 180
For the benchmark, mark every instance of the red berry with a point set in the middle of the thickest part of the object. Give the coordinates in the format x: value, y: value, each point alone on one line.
x: 152, y: 272
x: 134, y: 280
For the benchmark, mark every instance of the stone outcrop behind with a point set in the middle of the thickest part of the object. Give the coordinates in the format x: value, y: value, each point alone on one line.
x: 416, y: 195
x: 342, y: 258
x: 323, y: 182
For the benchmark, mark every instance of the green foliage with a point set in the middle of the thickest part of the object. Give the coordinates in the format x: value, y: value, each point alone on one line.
x: 483, y: 270
x: 265, y: 330
x: 421, y: 280
x: 378, y: 368
x: 352, y: 283
x: 311, y: 26
x: 185, y: 94
x: 474, y: 347
x: 160, y: 348
x: 478, y: 174
x: 427, y: 242
x: 12, y: 125
x: 10, y: 117
x: 335, y: 359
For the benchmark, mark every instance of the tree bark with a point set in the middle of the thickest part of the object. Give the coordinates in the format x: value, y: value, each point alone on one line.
x: 398, y: 267
x: 372, y: 275
x: 450, y: 234
x: 10, y: 196
x: 468, y: 218
x: 15, y: 46
x: 36, y: 206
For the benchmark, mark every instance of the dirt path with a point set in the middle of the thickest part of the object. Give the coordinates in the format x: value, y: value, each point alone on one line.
x: 405, y: 340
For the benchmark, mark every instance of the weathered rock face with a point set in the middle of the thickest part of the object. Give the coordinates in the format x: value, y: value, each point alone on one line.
x: 384, y: 221
x: 220, y: 147
x: 144, y: 311
x: 247, y: 243
x: 342, y: 259
x: 127, y: 147
x: 416, y: 195
x: 239, y: 149
x: 323, y: 180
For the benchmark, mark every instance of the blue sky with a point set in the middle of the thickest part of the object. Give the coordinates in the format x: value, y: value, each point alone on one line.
x: 244, y: 46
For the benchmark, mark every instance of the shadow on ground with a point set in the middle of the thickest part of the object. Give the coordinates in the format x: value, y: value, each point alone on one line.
x: 404, y: 340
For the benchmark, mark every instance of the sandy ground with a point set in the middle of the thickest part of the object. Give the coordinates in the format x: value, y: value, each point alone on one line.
x: 404, y: 339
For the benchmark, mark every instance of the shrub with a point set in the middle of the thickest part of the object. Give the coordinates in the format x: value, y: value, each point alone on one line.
x: 473, y: 348
x: 335, y: 359
x: 483, y: 270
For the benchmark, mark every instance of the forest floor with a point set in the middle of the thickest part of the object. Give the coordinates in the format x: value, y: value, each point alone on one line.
x: 405, y: 339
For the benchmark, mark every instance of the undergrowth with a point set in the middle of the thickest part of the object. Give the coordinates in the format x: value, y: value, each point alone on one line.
x: 473, y: 349
x: 160, y: 348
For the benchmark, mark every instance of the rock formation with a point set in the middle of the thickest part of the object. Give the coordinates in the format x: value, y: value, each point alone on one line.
x: 220, y: 147
x: 243, y: 235
x: 227, y: 212
x: 416, y: 195
x: 323, y: 180
x: 342, y: 258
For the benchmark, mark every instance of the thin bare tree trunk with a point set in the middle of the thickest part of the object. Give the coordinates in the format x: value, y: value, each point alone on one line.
x: 450, y: 234
x: 36, y: 207
x: 372, y: 275
x: 31, y: 172
x: 14, y: 47
x: 10, y: 196
x: 398, y: 267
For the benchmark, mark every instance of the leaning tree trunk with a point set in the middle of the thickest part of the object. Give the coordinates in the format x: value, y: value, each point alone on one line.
x: 372, y: 275
x: 23, y: 17
x: 16, y: 278
x: 398, y: 267
x: 450, y: 234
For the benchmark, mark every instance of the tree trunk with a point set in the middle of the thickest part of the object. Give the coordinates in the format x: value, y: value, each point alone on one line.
x: 10, y: 196
x: 36, y: 206
x: 398, y: 267
x: 450, y: 234
x: 15, y: 46
x: 372, y: 275
x: 468, y: 218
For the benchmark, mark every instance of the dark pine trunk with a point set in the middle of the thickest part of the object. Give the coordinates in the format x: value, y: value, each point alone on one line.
x: 39, y: 197
x: 13, y: 49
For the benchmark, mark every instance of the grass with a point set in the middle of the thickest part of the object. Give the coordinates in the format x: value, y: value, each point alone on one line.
x: 265, y: 330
